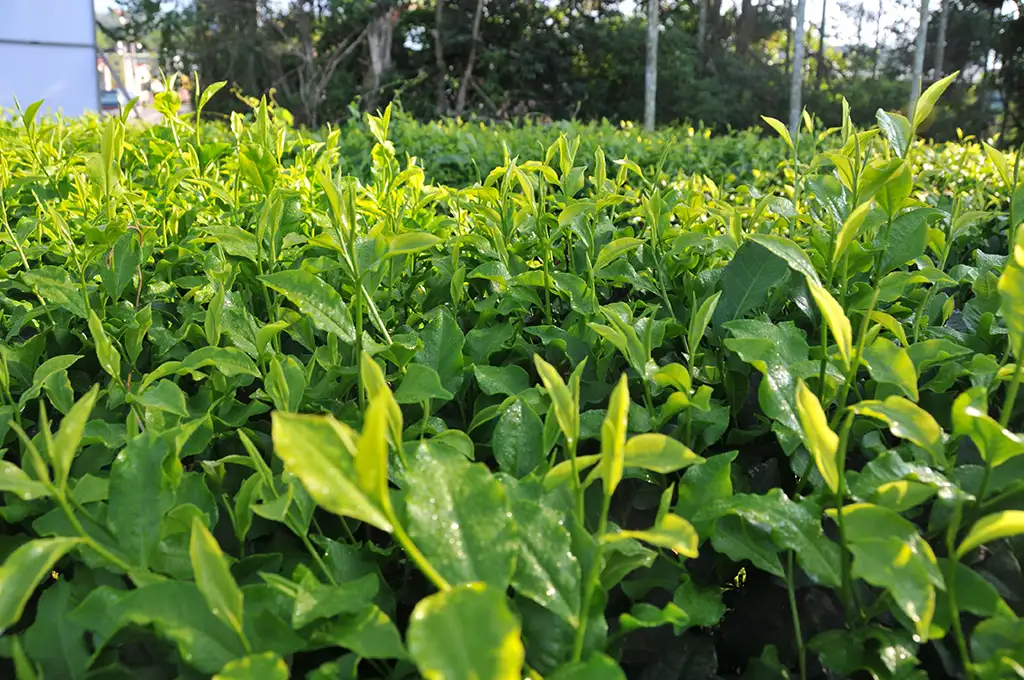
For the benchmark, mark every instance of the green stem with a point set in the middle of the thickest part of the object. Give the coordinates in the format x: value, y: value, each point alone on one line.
x: 848, y: 598
x: 417, y: 557
x: 795, y: 612
x: 954, y: 610
x: 319, y: 560
x: 89, y: 540
x: 1011, y: 391
x: 592, y: 578
x: 851, y: 374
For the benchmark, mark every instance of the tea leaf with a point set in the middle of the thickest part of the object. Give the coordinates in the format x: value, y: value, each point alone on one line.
x: 464, y: 634
x: 314, y: 298
x: 992, y: 528
x: 672, y: 532
x: 23, y: 570
x: 613, y: 436
x: 907, y: 421
x: 457, y: 514
x: 266, y: 666
x: 213, y: 577
x: 821, y: 442
x: 321, y: 452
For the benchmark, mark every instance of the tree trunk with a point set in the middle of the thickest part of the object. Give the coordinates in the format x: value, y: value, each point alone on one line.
x: 379, y: 36
x: 878, y: 39
x: 789, y: 36
x: 467, y: 75
x: 702, y: 28
x: 915, y: 76
x: 745, y: 29
x: 940, y: 40
x: 442, y: 68
x: 796, y: 81
x: 821, y: 45
x: 651, y: 69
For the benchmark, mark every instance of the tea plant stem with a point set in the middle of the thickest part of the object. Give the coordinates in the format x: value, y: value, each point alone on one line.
x: 851, y: 374
x: 1011, y: 391
x: 954, y: 610
x: 795, y: 612
x: 319, y: 560
x: 89, y: 540
x: 849, y: 603
x: 577, y: 490
x: 591, y: 582
x: 417, y: 557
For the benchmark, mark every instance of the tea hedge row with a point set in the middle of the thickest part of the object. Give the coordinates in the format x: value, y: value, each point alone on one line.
x: 262, y: 419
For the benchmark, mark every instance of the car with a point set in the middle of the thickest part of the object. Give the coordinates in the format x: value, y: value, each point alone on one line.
x: 111, y: 101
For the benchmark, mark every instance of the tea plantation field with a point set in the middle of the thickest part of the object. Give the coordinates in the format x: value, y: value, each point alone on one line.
x: 460, y: 402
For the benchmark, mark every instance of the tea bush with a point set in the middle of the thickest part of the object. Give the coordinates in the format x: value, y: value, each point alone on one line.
x: 587, y: 417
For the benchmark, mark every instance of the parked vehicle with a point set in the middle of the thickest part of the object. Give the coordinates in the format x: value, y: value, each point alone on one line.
x: 111, y: 101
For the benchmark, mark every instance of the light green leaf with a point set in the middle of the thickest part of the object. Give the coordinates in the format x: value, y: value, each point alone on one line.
x: 375, y: 384
x: 673, y: 532
x: 421, y: 382
x: 999, y: 160
x: 907, y: 421
x: 69, y: 436
x: 613, y: 436
x: 109, y: 358
x: 700, y: 320
x: 467, y: 633
x: 14, y: 480
x: 23, y: 570
x: 266, y: 666
x: 821, y: 442
x: 926, y: 102
x: 789, y: 251
x: 896, y: 129
x: 163, y: 395
x: 658, y: 453
x: 891, y: 365
x: 320, y: 451
x: 889, y: 553
x: 314, y: 298
x: 561, y: 399
x: 995, y: 443
x: 372, y: 455
x: 851, y: 227
x: 780, y: 128
x: 458, y: 515
x: 992, y: 528
x: 213, y: 577
x: 46, y: 371
x: 836, y: 319
x: 1011, y: 292
x: 615, y: 250
x: 411, y: 242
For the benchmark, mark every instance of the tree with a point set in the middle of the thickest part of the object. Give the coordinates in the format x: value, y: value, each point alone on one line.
x: 441, y: 106
x: 702, y: 28
x: 918, y: 71
x: 796, y: 82
x: 940, y: 40
x: 651, y: 70
x: 467, y: 75
x: 821, y: 45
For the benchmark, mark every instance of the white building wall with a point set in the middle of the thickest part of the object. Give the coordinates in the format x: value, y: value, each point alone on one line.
x: 48, y: 51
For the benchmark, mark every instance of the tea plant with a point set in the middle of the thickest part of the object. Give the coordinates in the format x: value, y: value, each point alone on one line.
x: 581, y: 418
